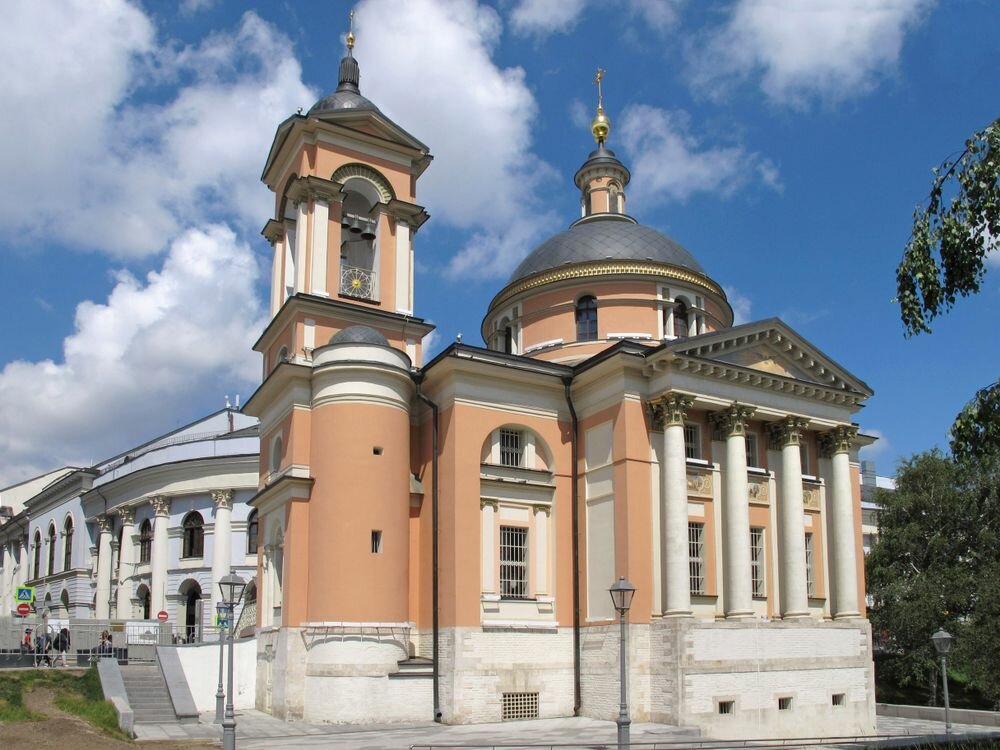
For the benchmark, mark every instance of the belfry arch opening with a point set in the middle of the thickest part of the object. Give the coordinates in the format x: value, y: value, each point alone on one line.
x: 359, y: 224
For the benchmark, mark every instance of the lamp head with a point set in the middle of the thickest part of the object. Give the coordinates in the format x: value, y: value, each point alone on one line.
x: 232, y: 587
x: 942, y: 641
x: 621, y: 594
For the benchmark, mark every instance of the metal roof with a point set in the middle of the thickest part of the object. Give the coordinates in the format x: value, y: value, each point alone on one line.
x: 359, y: 335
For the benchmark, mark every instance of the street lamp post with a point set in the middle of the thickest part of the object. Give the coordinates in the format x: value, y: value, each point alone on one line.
x: 220, y: 695
x: 942, y: 642
x: 232, y: 587
x: 621, y: 595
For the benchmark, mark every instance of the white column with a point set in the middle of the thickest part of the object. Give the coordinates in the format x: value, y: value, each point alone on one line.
x: 489, y: 508
x: 126, y: 562
x: 157, y: 589
x: 542, y: 549
x: 301, y: 229
x: 671, y: 412
x: 791, y: 528
x: 321, y: 224
x: 736, y: 513
x: 403, y: 301
x: 222, y: 543
x: 102, y: 605
x: 7, y: 582
x: 276, y: 280
x: 842, y: 532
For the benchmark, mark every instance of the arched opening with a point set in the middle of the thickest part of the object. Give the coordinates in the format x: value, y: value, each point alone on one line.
x: 118, y: 558
x: 194, y: 535
x: 64, y: 601
x: 68, y: 544
x: 191, y: 604
x: 289, y: 216
x: 253, y: 528
x: 681, y: 323
x: 277, y: 449
x: 52, y: 548
x: 37, y: 568
x: 586, y: 318
x: 143, y: 595
x: 615, y: 198
x: 359, y: 222
x: 145, y: 542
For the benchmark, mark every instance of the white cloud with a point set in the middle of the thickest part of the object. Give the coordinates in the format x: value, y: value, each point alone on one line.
x: 669, y: 163
x: 190, y: 7
x: 105, y: 172
x: 827, y: 49
x: 881, y: 447
x: 543, y: 17
x: 133, y: 362
x: 485, y: 176
x: 741, y: 305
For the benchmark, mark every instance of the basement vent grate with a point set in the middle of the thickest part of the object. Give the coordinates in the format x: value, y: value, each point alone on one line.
x: 727, y: 707
x: 838, y: 699
x: 784, y: 704
x: 517, y: 706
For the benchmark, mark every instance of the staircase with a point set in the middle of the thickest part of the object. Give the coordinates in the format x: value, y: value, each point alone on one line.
x: 147, y: 694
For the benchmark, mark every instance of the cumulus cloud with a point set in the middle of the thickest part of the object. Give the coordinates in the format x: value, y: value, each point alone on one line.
x: 133, y: 360
x: 110, y: 172
x: 880, y: 448
x: 741, y: 305
x: 670, y: 163
x: 485, y: 176
x: 543, y: 17
x: 797, y: 51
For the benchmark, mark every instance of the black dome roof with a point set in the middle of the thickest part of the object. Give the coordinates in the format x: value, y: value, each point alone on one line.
x: 359, y: 335
x: 606, y: 237
x: 348, y: 95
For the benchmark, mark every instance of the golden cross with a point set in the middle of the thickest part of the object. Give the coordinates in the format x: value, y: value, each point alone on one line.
x: 597, y: 81
x: 350, y: 32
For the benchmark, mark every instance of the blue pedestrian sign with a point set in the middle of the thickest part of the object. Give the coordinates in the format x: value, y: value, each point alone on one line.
x: 26, y: 594
x: 222, y: 620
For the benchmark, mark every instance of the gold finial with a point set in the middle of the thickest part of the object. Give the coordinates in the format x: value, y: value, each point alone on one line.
x: 350, y: 33
x: 601, y: 125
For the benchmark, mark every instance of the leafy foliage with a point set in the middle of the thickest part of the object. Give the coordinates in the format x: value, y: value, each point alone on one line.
x: 975, y: 435
x: 932, y: 566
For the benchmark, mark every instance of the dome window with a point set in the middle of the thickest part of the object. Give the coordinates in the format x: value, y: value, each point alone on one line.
x: 681, y: 325
x: 586, y: 318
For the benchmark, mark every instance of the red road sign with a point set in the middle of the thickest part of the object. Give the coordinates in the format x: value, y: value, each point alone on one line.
x: 24, y: 608
x: 162, y: 616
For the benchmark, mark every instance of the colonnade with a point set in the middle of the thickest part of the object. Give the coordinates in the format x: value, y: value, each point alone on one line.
x: 669, y: 412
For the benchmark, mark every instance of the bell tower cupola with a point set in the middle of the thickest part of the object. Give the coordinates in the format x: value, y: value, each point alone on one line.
x: 602, y: 178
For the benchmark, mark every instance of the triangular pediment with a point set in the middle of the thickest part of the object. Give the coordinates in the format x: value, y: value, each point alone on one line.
x: 771, y: 347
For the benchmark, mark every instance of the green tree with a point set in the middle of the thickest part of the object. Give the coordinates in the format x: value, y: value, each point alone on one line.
x: 946, y: 259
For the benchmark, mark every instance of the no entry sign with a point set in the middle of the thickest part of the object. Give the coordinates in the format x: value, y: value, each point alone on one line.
x: 23, y: 608
x: 162, y: 616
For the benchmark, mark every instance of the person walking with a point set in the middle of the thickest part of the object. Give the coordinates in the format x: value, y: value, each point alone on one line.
x: 62, y: 645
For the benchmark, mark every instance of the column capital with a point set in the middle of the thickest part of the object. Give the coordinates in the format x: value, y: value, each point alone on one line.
x: 546, y: 509
x: 127, y: 516
x: 223, y: 499
x: 161, y: 505
x: 838, y: 440
x: 484, y: 503
x: 788, y: 431
x: 733, y: 420
x: 104, y: 524
x: 669, y: 409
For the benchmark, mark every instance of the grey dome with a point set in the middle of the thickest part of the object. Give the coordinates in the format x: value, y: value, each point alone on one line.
x: 606, y: 237
x: 347, y: 96
x: 359, y: 335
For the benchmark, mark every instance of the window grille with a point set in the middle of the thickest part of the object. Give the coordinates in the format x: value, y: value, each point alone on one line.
x: 692, y: 441
x: 586, y: 319
x: 784, y: 704
x: 515, y: 706
x: 727, y: 707
x: 838, y: 699
x: 810, y: 572
x: 510, y: 448
x: 753, y: 459
x: 145, y: 541
x: 804, y: 454
x: 757, y: 561
x: 696, y: 556
x: 513, y: 562
x: 376, y: 542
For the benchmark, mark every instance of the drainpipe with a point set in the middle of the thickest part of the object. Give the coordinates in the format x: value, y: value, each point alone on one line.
x: 575, y: 515
x: 435, y: 646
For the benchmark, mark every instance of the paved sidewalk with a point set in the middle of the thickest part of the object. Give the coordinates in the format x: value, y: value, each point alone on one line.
x: 259, y: 731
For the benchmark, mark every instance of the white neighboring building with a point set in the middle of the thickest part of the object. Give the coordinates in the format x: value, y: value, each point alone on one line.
x: 151, y: 529
x: 870, y: 482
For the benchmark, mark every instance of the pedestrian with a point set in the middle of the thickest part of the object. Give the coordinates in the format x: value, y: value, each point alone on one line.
x: 105, y: 647
x: 26, y: 642
x: 62, y: 645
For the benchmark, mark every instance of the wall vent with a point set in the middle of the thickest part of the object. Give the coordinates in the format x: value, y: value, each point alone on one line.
x: 784, y: 704
x: 727, y: 707
x: 838, y: 699
x: 516, y: 706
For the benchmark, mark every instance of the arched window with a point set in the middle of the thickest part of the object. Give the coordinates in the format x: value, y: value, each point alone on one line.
x: 276, y: 450
x: 586, y: 318
x: 194, y: 535
x: 68, y: 544
x: 614, y: 198
x: 38, y: 554
x: 253, y: 526
x: 52, y: 548
x: 290, y: 215
x: 145, y: 541
x: 359, y: 220
x: 118, y: 559
x: 681, y: 319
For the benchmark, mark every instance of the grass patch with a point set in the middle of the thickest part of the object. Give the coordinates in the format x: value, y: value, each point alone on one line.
x: 78, y: 694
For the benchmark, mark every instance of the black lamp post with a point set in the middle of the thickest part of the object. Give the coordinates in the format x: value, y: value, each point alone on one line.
x: 232, y: 587
x: 942, y: 642
x: 220, y: 695
x: 621, y: 595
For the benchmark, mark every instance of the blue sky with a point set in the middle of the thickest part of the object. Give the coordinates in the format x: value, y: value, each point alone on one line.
x: 785, y: 144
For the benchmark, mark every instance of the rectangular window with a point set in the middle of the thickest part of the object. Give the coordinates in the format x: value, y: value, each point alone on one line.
x: 510, y: 448
x: 376, y: 542
x: 757, y: 561
x: 696, y: 556
x: 692, y: 441
x: 838, y: 699
x: 804, y: 453
x: 784, y: 704
x: 513, y: 562
x: 727, y: 707
x: 810, y: 571
x: 752, y: 457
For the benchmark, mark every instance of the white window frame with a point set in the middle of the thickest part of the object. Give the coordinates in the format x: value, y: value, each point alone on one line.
x: 513, y: 586
x: 758, y: 571
x: 810, y: 566
x: 753, y: 450
x: 692, y: 447
x: 511, y: 447
x: 696, y: 557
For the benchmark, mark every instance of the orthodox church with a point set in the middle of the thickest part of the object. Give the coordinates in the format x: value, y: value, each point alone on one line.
x: 437, y: 540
